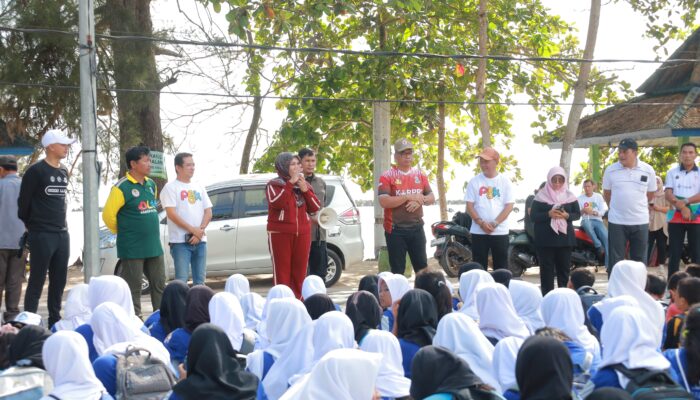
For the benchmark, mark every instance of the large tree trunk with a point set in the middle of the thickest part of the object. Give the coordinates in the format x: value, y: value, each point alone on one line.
x: 580, y: 89
x: 135, y: 68
x: 250, y: 136
x: 442, y: 190
x: 481, y: 75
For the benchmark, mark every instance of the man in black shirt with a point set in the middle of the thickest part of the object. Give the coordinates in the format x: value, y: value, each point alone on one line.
x: 42, y: 208
x: 318, y: 256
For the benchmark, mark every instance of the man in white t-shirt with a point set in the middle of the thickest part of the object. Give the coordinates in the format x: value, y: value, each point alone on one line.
x: 490, y: 200
x: 189, y: 211
x: 628, y: 188
x: 593, y: 208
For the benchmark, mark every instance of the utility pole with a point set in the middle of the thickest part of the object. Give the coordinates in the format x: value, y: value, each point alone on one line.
x: 88, y: 123
x: 381, y: 132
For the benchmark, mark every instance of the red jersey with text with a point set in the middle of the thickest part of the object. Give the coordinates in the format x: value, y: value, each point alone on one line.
x: 395, y: 182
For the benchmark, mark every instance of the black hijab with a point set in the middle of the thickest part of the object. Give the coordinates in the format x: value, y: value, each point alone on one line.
x: 282, y: 163
x: 172, y: 306
x: 318, y: 304
x: 502, y: 276
x: 609, y: 393
x: 418, y: 317
x: 544, y: 370
x: 197, y: 306
x: 438, y: 370
x: 370, y: 283
x: 212, y: 369
x: 363, y: 310
x: 27, y: 346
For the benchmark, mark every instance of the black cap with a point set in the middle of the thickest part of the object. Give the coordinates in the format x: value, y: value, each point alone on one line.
x: 628, y: 144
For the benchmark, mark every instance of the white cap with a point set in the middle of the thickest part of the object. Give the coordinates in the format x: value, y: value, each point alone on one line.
x: 28, y: 318
x: 54, y: 136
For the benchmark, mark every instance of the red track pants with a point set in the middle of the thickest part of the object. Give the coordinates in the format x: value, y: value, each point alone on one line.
x: 290, y: 257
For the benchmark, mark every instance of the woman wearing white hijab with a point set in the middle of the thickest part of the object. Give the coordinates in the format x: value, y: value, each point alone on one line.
x: 561, y: 309
x: 461, y: 335
x: 505, y: 355
x: 312, y: 285
x: 77, y: 382
x: 497, y: 316
x: 114, y: 333
x: 527, y: 298
x: 225, y: 312
x: 276, y: 292
x: 237, y: 285
x: 391, y: 289
x: 627, y: 338
x: 600, y: 311
x: 468, y: 283
x: 77, y: 310
x: 391, y: 383
x: 252, y: 305
x: 343, y: 374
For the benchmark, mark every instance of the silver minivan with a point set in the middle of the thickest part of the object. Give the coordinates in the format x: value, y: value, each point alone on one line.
x: 237, y: 234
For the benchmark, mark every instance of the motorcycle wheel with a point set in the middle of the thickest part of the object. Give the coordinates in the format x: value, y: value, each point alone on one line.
x: 454, y: 255
x: 515, y: 265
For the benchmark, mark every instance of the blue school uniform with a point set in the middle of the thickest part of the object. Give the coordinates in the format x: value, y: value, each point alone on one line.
x: 387, y: 321
x: 679, y: 366
x: 177, y: 343
x: 408, y: 351
x: 155, y: 327
x: 86, y: 331
x: 268, y: 362
x: 106, y: 371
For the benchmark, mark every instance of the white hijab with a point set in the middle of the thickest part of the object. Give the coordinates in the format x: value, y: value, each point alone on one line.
x: 237, y: 285
x: 505, y: 354
x: 114, y: 332
x: 391, y: 382
x: 461, y: 335
x: 74, y: 381
x: 562, y: 309
x: 628, y: 337
x: 527, y: 298
x: 497, y: 316
x: 276, y: 292
x: 608, y: 305
x: 252, y: 305
x: 225, y: 312
x: 342, y: 374
x: 77, y: 310
x: 110, y: 288
x: 398, y: 285
x: 468, y: 283
x: 630, y: 277
x: 312, y: 285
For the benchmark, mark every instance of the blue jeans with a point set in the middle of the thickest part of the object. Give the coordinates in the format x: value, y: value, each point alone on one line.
x: 184, y: 255
x: 597, y: 231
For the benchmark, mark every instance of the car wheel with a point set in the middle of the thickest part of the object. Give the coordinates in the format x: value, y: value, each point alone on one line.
x: 335, y: 268
x: 145, y: 285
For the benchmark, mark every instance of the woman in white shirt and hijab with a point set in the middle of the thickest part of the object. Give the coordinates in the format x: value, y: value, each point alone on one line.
x: 497, y: 316
x: 561, y: 309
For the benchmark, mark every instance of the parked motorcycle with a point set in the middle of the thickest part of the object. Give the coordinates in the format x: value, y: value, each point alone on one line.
x: 452, y: 242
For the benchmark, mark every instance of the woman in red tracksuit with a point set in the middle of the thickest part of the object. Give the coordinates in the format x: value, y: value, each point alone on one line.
x: 290, y: 199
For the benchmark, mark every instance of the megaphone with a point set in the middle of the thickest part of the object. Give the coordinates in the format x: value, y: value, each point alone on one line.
x: 327, y: 218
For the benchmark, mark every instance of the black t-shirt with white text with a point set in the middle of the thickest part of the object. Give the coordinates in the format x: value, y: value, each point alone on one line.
x: 42, y: 198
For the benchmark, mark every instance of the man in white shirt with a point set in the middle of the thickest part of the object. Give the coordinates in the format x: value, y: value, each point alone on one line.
x: 628, y: 188
x: 490, y: 200
x: 593, y: 208
x: 683, y: 192
x: 189, y: 211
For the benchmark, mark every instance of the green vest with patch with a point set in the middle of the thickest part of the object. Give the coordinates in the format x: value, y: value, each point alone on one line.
x: 138, y: 226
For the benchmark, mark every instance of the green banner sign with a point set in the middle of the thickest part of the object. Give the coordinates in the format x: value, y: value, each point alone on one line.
x: 158, y: 165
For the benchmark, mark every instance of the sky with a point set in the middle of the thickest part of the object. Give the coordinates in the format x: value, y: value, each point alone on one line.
x: 217, y: 154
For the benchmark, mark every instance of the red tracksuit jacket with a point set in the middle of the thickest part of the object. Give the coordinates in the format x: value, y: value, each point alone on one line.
x: 284, y: 216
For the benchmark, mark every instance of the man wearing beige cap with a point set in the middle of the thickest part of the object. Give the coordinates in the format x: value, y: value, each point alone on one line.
x: 42, y: 208
x: 403, y: 190
x: 490, y: 200
x: 11, y: 263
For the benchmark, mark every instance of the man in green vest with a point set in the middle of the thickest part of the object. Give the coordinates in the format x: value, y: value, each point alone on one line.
x: 131, y: 213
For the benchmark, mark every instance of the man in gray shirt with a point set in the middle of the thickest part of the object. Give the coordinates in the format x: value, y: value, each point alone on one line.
x: 11, y: 265
x: 318, y: 256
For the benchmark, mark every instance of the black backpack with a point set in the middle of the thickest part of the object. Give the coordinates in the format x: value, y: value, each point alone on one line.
x: 589, y: 296
x: 651, y: 385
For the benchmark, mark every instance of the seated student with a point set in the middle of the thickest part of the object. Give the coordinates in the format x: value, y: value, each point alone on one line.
x: 252, y: 305
x: 656, y: 287
x: 171, y: 314
x: 505, y: 354
x: 688, y: 294
x: 497, y: 316
x: 318, y: 304
x: 582, y: 360
x: 434, y: 282
x: 364, y: 312
x: 440, y: 374
x: 26, y: 378
x: 78, y: 381
x: 225, y: 312
x: 685, y: 361
x: 370, y: 283
x: 693, y: 270
x: 502, y: 276
x: 391, y: 288
x: 468, y: 283
x: 561, y: 309
x: 237, y: 285
x: 213, y: 371
x: 391, y: 384
x: 544, y: 369
x: 314, y: 285
x: 114, y: 332
x: 196, y: 313
x: 416, y: 323
x: 581, y: 277
x: 77, y: 310
x: 672, y: 309
x: 275, y: 292
x: 527, y: 298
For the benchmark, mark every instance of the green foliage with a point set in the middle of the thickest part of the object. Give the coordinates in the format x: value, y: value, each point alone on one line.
x: 668, y: 19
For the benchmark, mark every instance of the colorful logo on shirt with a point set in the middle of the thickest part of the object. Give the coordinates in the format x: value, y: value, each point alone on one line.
x: 190, y: 195
x: 590, y: 205
x: 490, y: 192
x: 147, y: 206
x: 397, y: 182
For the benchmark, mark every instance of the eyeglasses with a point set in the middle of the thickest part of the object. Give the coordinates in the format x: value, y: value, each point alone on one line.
x: 558, y: 179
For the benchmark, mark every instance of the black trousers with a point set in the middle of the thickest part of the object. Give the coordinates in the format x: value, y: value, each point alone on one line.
x: 318, y: 259
x: 554, y: 259
x: 406, y: 240
x: 658, y: 237
x: 676, y: 237
x: 496, y: 244
x: 48, y: 252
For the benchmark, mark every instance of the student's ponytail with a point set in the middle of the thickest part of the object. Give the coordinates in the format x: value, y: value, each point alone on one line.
x: 691, y: 343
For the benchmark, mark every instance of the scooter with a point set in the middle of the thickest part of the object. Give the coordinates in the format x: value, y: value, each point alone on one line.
x: 452, y: 242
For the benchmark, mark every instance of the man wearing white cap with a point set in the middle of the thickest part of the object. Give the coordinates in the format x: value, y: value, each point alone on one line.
x: 42, y: 208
